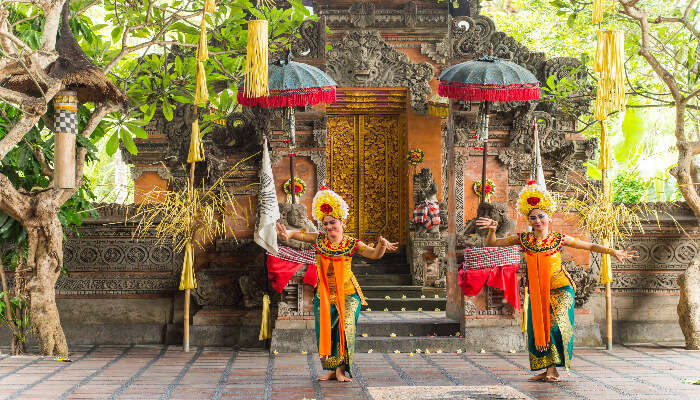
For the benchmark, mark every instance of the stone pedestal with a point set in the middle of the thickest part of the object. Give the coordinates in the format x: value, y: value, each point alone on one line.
x: 294, y: 326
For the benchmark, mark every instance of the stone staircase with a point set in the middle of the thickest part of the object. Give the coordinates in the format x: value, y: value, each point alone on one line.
x: 417, y: 326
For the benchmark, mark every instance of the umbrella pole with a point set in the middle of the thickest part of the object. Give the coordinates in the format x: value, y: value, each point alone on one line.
x: 292, y: 143
x: 486, y: 144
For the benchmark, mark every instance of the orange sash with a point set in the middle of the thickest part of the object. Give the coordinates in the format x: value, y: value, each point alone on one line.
x: 539, y: 276
x: 540, y: 258
x: 338, y: 265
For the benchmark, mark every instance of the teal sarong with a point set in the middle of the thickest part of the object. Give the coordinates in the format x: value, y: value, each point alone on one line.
x: 561, y: 347
x: 352, y: 313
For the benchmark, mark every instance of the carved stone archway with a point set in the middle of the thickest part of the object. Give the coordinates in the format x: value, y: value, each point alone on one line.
x: 364, y: 59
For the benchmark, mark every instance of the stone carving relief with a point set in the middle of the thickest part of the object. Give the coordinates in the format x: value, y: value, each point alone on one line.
x: 311, y: 41
x: 295, y: 218
x: 364, y: 59
x: 364, y: 14
x: 236, y: 283
x: 586, y: 280
x: 474, y: 237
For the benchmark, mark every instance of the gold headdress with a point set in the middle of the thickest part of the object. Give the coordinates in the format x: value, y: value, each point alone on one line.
x: 328, y: 202
x: 535, y: 196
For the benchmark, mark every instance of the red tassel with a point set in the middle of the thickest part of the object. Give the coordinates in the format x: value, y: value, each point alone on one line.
x: 295, y: 98
x: 490, y: 93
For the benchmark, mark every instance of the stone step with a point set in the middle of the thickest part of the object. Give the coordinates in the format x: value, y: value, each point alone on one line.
x: 406, y: 328
x: 374, y: 269
x: 389, y: 258
x: 384, y: 280
x: 392, y: 291
x: 407, y: 344
x: 411, y: 304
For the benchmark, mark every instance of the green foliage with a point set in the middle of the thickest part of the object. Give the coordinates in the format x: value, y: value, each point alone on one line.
x: 629, y: 187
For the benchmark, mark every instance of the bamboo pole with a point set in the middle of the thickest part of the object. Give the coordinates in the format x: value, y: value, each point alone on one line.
x: 608, y: 289
x: 186, y: 316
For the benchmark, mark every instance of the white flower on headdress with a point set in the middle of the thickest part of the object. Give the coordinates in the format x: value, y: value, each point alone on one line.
x: 535, y: 196
x: 328, y: 202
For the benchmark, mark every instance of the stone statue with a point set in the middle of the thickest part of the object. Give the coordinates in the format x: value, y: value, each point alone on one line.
x: 295, y: 218
x: 474, y: 237
x: 425, y: 189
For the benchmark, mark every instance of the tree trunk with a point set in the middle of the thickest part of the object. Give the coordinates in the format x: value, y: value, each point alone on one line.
x: 45, y: 259
x: 689, y: 305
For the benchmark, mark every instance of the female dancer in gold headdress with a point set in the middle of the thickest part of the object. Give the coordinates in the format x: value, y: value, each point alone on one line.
x: 550, y: 317
x: 338, y: 295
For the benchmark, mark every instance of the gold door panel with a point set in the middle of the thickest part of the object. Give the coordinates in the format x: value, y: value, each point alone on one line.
x: 366, y: 166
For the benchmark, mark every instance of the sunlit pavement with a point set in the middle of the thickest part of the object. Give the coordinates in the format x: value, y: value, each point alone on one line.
x: 653, y: 371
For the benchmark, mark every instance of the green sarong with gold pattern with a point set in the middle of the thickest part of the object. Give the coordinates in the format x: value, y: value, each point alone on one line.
x: 561, y: 347
x: 352, y: 313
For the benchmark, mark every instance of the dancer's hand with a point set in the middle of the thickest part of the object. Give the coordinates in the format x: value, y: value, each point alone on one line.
x: 624, y: 255
x: 486, y: 223
x: 387, y: 244
x: 282, y: 233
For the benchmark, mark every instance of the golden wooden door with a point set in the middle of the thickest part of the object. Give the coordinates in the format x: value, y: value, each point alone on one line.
x: 366, y: 165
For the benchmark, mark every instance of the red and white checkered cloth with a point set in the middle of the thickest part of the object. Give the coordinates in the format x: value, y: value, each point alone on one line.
x: 427, y: 213
x: 489, y: 257
x: 295, y: 255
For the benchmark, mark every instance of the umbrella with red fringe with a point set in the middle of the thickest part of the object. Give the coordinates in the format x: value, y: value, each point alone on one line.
x: 488, y: 79
x: 292, y: 84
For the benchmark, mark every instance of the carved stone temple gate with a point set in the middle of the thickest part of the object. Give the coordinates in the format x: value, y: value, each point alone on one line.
x: 386, y: 54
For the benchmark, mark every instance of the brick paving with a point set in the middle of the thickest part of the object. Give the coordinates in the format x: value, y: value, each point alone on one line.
x: 653, y: 371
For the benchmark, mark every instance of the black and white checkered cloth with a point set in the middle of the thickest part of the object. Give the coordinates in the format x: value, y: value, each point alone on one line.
x: 66, y: 122
x: 490, y: 257
x: 296, y: 255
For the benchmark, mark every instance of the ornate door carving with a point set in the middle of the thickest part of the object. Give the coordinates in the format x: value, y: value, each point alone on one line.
x: 365, y: 150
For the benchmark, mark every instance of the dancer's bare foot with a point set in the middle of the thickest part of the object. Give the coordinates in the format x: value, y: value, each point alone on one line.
x: 552, y: 374
x: 329, y: 377
x: 538, y: 377
x: 340, y: 374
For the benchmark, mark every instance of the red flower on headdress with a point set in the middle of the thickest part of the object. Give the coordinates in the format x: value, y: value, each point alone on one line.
x: 487, y: 189
x: 297, y: 188
x: 530, y: 182
x: 326, y: 208
x: 533, y: 201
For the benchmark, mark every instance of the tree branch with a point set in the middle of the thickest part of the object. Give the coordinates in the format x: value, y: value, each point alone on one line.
x: 12, y: 202
x: 39, y: 156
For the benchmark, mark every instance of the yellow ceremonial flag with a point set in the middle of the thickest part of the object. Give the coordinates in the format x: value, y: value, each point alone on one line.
x: 196, y: 152
x: 187, y: 280
x: 265, y: 323
x: 256, y: 69
x: 201, y: 94
x: 598, y: 6
x: 605, y: 266
x: 209, y: 6
x: 202, y: 49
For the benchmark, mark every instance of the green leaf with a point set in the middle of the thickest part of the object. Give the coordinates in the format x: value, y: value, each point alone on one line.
x: 117, y: 33
x: 139, y: 132
x: 112, y: 144
x: 128, y: 142
x: 571, y: 20
x: 85, y: 142
x: 167, y: 110
x: 185, y: 28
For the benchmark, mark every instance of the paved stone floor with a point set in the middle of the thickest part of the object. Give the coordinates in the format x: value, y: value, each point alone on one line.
x: 652, y: 371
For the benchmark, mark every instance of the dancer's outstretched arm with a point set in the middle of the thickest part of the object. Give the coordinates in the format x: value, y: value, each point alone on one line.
x: 491, y: 240
x: 621, y: 255
x: 372, y: 252
x: 284, y: 234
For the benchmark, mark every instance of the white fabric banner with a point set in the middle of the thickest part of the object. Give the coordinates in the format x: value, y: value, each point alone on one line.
x: 268, y: 210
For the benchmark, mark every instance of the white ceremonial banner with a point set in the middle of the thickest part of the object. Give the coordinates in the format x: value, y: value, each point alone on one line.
x: 268, y: 210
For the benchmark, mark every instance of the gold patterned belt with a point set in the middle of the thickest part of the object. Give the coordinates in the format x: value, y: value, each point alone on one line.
x: 358, y: 289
